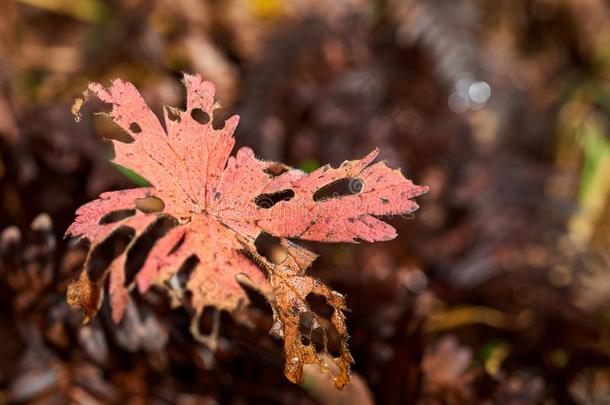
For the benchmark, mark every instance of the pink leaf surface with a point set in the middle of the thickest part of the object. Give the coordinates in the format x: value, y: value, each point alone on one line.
x: 219, y: 205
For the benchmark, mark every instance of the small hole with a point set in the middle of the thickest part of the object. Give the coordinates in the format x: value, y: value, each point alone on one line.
x: 142, y: 246
x: 276, y: 169
x: 267, y: 201
x: 116, y: 216
x: 337, y: 189
x: 319, y: 305
x: 106, y: 251
x: 135, y: 128
x: 220, y: 116
x: 150, y: 204
x: 317, y: 338
x: 305, y: 323
x: 173, y: 114
x: 270, y: 248
x: 334, y: 344
x: 200, y: 116
x: 186, y: 269
x: 178, y: 244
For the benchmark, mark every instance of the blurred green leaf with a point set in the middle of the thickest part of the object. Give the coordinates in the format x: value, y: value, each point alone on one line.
x: 309, y: 165
x: 132, y: 176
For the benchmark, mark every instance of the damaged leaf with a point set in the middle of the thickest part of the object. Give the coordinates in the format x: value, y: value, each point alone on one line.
x: 195, y: 230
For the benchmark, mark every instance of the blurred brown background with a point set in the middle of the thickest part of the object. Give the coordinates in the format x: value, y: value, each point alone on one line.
x: 496, y: 291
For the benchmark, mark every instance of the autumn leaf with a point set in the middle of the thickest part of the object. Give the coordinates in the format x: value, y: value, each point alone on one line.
x: 206, y: 211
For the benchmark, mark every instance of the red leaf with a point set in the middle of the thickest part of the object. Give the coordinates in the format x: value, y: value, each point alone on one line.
x: 220, y: 205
